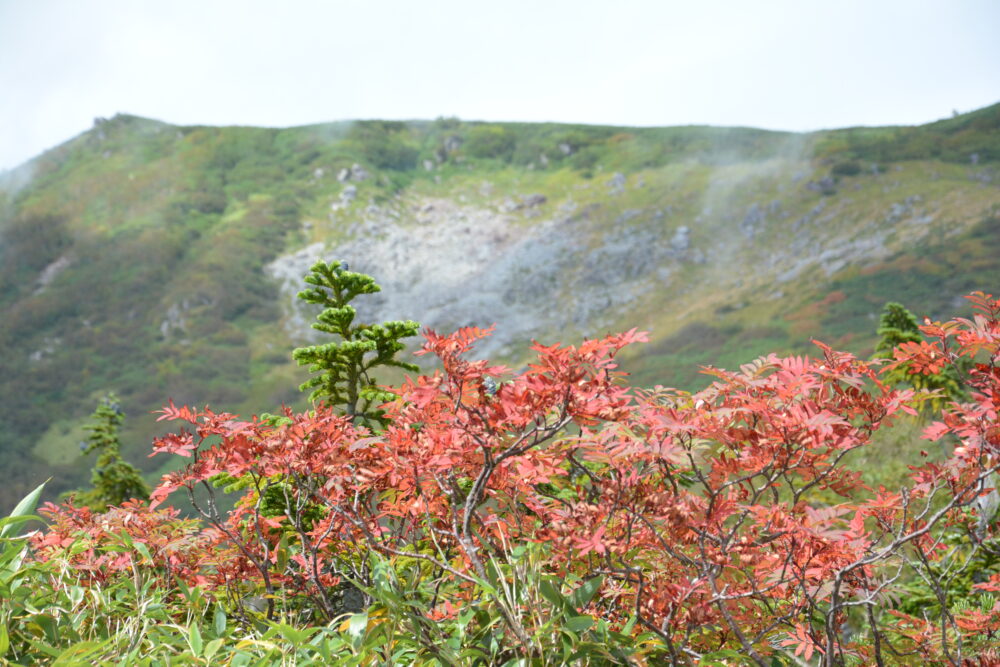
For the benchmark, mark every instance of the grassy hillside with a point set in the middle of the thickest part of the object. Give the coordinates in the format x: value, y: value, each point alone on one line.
x: 141, y: 257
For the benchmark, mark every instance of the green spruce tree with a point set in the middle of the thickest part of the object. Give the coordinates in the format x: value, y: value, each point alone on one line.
x: 343, y: 367
x: 897, y: 326
x: 114, y: 480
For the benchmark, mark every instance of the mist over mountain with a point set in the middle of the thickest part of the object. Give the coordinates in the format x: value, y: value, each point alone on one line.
x: 162, y: 262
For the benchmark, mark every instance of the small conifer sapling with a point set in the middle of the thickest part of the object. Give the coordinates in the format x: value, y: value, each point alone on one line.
x: 343, y: 367
x: 898, y: 329
x: 114, y: 479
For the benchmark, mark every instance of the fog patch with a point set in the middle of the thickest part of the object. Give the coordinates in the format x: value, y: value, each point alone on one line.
x: 12, y: 181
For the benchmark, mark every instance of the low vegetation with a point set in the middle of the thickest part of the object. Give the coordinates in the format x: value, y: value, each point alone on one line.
x: 553, y: 515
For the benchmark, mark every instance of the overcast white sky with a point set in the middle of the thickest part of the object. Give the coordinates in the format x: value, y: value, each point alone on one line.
x: 782, y: 64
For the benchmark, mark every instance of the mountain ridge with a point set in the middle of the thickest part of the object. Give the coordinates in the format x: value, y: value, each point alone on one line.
x: 985, y: 114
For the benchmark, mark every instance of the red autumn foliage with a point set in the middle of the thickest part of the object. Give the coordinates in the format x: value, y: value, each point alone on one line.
x: 174, y: 547
x: 726, y: 519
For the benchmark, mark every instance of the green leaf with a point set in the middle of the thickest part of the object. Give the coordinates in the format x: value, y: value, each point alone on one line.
x: 14, y: 520
x: 552, y: 594
x: 49, y: 626
x: 126, y: 538
x: 9, y: 554
x: 220, y: 622
x: 44, y: 648
x: 75, y: 594
x: 282, y: 553
x: 194, y: 639
x: 77, y: 653
x: 579, y: 623
x: 192, y: 594
x: 185, y: 591
x: 582, y: 596
x: 323, y: 647
x: 26, y: 506
x: 593, y: 653
x: 292, y: 635
x: 211, y: 648
x: 143, y: 550
x: 357, y: 625
x: 4, y: 640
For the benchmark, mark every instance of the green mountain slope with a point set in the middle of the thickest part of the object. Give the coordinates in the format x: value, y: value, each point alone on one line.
x: 161, y: 261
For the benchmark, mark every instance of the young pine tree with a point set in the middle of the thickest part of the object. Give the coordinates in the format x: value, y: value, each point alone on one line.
x: 114, y: 479
x: 898, y: 326
x: 343, y: 367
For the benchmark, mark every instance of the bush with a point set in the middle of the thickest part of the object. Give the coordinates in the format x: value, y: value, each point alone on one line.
x: 555, y: 515
x: 489, y: 142
x: 384, y: 144
x: 845, y: 169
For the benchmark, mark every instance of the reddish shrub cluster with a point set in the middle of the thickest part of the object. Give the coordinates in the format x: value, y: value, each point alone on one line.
x: 102, y: 546
x: 726, y: 519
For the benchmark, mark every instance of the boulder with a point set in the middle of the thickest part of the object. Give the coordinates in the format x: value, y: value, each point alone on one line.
x: 617, y: 183
x: 753, y: 220
x: 825, y: 185
x: 681, y: 240
x: 530, y: 201
x: 359, y: 173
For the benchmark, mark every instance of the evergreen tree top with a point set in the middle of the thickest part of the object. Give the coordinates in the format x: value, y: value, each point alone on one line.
x: 343, y: 367
x: 896, y: 326
x: 114, y: 480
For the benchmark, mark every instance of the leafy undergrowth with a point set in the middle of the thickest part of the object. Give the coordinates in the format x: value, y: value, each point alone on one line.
x: 549, y: 516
